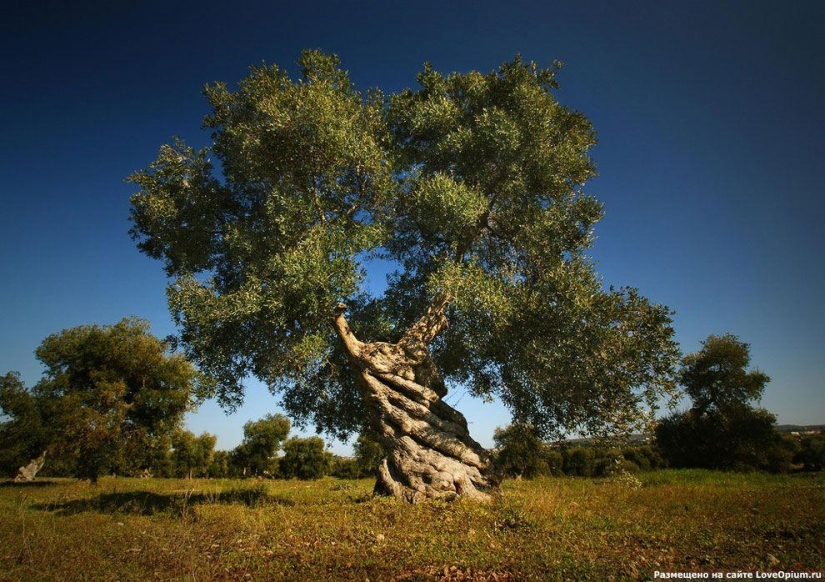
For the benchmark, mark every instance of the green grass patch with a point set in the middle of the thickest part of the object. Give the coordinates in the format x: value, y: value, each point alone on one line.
x: 546, y: 529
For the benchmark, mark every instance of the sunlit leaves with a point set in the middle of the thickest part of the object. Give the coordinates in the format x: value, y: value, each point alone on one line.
x: 306, y: 185
x: 106, y: 390
x: 530, y: 321
x: 178, y: 195
x: 471, y: 183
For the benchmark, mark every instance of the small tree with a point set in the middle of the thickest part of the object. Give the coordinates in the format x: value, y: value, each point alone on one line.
x: 262, y: 439
x: 722, y: 430
x: 304, y: 458
x: 107, y: 393
x: 22, y: 434
x: 221, y: 465
x: 192, y: 455
x: 520, y: 452
x: 716, y: 377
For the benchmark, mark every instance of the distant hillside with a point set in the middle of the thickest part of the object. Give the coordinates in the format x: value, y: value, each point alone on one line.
x: 797, y: 428
x: 639, y: 439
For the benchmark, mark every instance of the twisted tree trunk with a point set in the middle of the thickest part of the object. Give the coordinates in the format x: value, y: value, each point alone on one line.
x: 430, y: 453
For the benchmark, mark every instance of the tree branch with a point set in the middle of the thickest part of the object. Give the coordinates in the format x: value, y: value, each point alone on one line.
x: 431, y: 324
x: 317, y: 202
x: 351, y: 343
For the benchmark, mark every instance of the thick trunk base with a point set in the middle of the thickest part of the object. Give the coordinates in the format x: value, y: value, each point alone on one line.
x: 430, y: 454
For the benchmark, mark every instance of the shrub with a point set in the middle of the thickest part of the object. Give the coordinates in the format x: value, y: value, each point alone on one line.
x: 305, y: 458
x: 578, y: 462
x: 811, y: 454
x: 740, y: 439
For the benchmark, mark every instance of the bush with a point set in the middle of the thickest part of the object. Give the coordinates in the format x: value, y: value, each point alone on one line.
x: 811, y: 453
x: 305, y: 458
x: 578, y: 462
x: 741, y: 439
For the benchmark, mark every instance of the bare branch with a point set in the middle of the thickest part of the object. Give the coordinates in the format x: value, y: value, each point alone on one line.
x: 351, y: 343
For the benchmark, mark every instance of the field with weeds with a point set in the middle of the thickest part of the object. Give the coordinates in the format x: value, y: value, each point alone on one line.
x: 547, y: 529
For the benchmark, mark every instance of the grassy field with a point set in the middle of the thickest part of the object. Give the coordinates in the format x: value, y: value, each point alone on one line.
x: 547, y: 529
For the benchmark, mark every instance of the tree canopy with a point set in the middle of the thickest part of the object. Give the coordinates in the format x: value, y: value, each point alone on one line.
x: 716, y: 377
x: 471, y: 185
x: 108, y: 394
x: 261, y: 440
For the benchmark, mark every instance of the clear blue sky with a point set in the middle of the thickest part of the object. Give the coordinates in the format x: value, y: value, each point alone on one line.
x: 711, y: 120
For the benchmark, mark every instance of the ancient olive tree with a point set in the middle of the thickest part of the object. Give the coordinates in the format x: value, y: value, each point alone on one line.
x: 471, y: 185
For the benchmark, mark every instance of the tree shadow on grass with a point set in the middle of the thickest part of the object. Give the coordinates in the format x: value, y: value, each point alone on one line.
x: 28, y: 485
x: 173, y: 504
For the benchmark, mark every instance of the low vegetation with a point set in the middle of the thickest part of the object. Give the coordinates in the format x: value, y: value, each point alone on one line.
x: 331, y: 529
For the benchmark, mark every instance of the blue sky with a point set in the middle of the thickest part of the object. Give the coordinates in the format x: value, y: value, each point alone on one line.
x: 710, y: 115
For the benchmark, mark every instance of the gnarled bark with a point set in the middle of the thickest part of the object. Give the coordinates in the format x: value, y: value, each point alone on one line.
x: 430, y: 453
x: 28, y: 473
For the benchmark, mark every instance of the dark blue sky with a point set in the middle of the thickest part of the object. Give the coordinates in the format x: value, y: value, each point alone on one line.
x: 710, y: 115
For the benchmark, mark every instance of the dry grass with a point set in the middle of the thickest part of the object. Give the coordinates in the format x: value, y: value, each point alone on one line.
x: 130, y: 529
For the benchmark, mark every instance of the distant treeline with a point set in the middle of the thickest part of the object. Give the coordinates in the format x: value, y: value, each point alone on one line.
x: 520, y: 454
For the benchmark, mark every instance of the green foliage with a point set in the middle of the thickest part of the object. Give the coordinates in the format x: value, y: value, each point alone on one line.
x: 221, y: 465
x: 368, y: 453
x: 579, y: 462
x: 192, y: 455
x: 716, y: 378
x: 519, y: 452
x: 106, y: 398
x: 722, y: 430
x: 256, y: 455
x: 811, y: 452
x: 304, y: 458
x: 305, y: 175
x: 471, y: 184
x: 22, y: 434
x: 742, y: 439
x: 530, y: 322
x: 646, y: 458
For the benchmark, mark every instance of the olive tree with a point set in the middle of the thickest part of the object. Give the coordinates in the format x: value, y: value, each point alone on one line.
x: 192, y: 455
x: 108, y: 396
x: 261, y: 440
x: 471, y: 185
x: 304, y: 458
x: 722, y: 429
x: 22, y: 434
